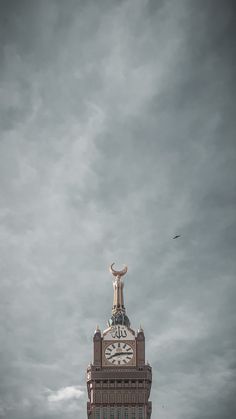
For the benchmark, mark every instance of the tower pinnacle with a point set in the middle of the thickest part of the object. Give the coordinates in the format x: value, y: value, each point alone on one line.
x: 118, y: 309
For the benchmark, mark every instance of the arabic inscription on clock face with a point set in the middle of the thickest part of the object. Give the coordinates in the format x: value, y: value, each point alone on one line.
x: 119, y: 332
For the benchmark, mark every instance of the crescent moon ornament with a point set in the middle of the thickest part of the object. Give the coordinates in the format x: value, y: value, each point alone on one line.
x: 118, y: 273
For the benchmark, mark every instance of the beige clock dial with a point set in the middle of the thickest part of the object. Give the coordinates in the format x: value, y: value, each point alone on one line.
x: 119, y: 353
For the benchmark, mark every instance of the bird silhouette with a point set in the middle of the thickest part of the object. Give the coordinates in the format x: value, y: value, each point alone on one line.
x: 177, y: 236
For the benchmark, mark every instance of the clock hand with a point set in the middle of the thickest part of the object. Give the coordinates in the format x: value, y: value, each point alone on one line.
x: 112, y: 356
x: 125, y: 353
x: 120, y: 353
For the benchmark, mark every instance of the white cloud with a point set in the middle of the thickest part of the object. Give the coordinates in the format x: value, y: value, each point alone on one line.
x: 65, y: 394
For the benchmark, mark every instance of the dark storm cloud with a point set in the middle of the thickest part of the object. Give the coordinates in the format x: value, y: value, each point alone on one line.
x: 117, y: 132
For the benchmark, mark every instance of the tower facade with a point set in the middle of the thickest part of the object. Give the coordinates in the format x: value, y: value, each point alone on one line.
x: 119, y: 380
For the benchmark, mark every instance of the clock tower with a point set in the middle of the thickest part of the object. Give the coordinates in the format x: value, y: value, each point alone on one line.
x: 119, y: 380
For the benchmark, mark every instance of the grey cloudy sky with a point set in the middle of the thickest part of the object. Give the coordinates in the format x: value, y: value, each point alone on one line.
x: 117, y: 132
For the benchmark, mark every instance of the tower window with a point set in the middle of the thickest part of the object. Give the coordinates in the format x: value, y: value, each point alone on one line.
x: 140, y: 413
x: 105, y: 413
x: 133, y: 413
x: 112, y: 415
x: 118, y: 413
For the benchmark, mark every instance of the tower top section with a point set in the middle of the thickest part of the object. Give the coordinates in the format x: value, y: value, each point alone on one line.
x: 118, y: 309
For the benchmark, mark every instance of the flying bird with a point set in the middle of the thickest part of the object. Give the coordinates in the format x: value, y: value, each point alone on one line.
x: 177, y: 236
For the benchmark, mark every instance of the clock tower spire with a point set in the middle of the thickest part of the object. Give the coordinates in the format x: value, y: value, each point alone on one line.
x: 119, y: 379
x: 118, y: 310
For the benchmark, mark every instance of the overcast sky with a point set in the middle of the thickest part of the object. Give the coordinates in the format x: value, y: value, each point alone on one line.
x: 117, y: 132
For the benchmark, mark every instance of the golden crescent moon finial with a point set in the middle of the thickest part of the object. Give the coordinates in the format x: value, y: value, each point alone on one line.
x: 118, y: 273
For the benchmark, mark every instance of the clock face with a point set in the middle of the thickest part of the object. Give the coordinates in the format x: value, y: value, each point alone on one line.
x: 119, y: 353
